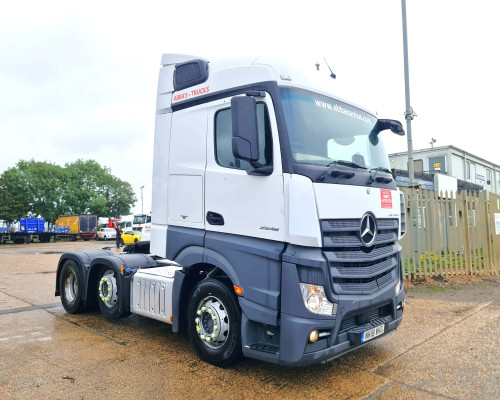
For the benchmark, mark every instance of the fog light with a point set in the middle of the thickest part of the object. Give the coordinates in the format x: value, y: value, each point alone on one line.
x: 313, y: 336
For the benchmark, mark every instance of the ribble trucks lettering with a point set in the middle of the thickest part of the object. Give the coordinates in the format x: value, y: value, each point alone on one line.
x: 275, y: 220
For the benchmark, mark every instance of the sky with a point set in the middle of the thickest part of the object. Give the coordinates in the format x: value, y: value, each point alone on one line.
x: 78, y: 80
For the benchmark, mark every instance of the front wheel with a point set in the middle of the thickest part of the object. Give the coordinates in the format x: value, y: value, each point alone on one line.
x: 214, y: 325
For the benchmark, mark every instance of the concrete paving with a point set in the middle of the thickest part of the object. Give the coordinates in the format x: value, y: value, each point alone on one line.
x: 445, y: 349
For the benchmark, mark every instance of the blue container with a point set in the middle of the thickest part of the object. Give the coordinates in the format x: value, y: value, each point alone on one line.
x: 32, y: 225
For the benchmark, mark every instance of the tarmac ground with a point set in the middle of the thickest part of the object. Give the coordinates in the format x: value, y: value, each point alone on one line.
x: 448, y: 347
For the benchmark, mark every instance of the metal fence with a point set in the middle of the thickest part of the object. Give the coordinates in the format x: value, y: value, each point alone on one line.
x: 455, y: 234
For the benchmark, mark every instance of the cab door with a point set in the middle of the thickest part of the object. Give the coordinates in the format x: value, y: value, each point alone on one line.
x: 235, y: 201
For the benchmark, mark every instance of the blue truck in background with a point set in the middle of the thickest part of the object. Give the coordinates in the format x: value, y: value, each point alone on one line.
x: 29, y: 229
x: 32, y: 225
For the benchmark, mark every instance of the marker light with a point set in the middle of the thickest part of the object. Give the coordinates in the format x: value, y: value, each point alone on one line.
x: 238, y: 290
x: 315, y: 299
x: 398, y: 286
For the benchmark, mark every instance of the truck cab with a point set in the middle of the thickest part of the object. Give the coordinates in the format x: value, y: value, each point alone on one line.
x: 307, y: 225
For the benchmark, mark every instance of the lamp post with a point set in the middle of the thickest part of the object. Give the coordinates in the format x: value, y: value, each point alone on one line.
x: 409, y: 115
x: 142, y: 201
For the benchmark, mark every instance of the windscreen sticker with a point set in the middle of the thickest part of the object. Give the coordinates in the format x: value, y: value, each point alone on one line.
x: 191, y: 93
x: 385, y: 198
x: 341, y: 110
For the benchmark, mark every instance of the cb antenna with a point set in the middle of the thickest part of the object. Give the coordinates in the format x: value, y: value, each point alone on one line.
x: 332, y: 74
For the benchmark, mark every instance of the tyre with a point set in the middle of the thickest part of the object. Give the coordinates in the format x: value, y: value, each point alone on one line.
x: 105, y: 237
x: 71, y: 287
x: 107, y: 294
x: 214, y: 325
x: 136, y: 240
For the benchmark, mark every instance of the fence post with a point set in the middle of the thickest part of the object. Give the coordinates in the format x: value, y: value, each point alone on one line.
x: 467, y: 248
x: 495, y: 209
x: 488, y: 258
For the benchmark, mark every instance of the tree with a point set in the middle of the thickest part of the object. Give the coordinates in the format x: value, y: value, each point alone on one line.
x: 45, y: 186
x: 34, y: 188
x: 14, y: 204
x: 93, y: 189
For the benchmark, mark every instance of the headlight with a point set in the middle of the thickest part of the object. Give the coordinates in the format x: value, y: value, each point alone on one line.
x: 315, y: 299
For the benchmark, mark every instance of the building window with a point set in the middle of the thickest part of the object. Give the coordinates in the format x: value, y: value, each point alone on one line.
x: 488, y: 176
x: 418, y: 165
x: 467, y: 170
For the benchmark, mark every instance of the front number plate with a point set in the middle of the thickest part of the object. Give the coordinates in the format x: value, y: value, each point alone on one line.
x: 372, y: 333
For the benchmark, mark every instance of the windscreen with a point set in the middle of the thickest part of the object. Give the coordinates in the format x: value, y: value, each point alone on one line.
x: 139, y: 219
x: 322, y: 129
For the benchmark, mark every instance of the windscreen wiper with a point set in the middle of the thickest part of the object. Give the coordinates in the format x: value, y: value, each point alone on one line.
x: 375, y: 177
x: 334, y: 171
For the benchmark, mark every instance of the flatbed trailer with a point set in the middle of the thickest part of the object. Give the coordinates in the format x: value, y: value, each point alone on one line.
x: 24, y: 237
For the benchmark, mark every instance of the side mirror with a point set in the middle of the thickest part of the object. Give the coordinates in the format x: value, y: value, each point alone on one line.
x: 245, y: 132
x: 384, y: 124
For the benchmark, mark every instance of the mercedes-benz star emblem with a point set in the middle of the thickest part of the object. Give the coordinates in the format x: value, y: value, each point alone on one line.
x: 368, y: 230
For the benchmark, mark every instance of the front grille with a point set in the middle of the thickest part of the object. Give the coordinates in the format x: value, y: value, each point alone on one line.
x: 355, y: 268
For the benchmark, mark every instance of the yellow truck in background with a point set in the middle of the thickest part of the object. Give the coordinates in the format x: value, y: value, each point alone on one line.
x: 77, y: 226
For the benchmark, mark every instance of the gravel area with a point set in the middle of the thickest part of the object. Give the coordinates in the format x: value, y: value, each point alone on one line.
x: 447, y: 347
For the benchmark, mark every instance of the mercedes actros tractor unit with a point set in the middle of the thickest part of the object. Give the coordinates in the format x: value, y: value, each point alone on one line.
x: 275, y: 219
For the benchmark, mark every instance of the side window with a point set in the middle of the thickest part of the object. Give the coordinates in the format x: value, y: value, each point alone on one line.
x: 223, y: 139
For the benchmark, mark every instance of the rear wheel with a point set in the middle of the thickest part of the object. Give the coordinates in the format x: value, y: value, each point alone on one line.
x: 71, y: 287
x: 214, y: 325
x: 107, y: 294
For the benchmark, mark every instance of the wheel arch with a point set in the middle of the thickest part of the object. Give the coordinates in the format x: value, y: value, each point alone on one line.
x: 114, y: 262
x: 82, y: 259
x: 199, y: 263
x: 196, y: 255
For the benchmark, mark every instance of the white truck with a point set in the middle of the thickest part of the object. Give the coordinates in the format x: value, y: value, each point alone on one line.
x: 275, y: 220
x: 140, y: 220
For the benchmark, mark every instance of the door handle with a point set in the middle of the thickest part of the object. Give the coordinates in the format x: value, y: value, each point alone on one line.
x: 214, y: 218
